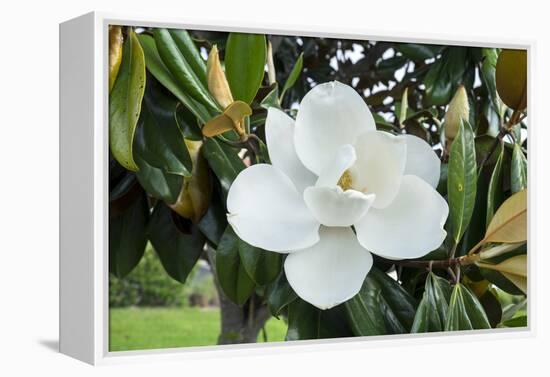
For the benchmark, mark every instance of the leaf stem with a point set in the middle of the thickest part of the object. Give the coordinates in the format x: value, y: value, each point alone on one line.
x: 439, y: 264
x: 515, y: 118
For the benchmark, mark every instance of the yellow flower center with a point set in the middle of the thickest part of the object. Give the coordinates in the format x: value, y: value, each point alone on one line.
x: 345, y: 181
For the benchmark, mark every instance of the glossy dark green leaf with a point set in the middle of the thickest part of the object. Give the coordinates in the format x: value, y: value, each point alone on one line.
x: 488, y: 68
x: 157, y: 182
x: 122, y: 186
x: 214, y: 221
x: 418, y: 52
x: 465, y: 311
x: 190, y: 52
x: 125, y: 102
x: 261, y: 265
x: 180, y: 69
x: 495, y: 195
x: 245, y: 57
x: 399, y: 307
x: 476, y: 229
x: 303, y: 321
x: 158, y: 69
x: 519, y: 170
x: 188, y: 123
x: 382, y: 306
x: 462, y: 180
x: 153, y: 154
x: 127, y: 237
x: 307, y: 322
x: 280, y: 295
x: 445, y: 75
x: 294, y: 74
x: 232, y: 276
x: 177, y: 251
x: 492, y: 307
x: 431, y: 314
x: 438, y: 87
x: 224, y: 161
x: 162, y: 142
x: 456, y: 64
x: 442, y: 185
x: 364, y: 313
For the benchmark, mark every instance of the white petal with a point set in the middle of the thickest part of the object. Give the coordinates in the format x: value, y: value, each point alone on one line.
x: 332, y: 206
x: 410, y: 227
x: 330, y: 115
x: 266, y: 210
x: 330, y: 272
x: 279, y: 134
x: 422, y: 160
x: 381, y: 159
x: 343, y: 159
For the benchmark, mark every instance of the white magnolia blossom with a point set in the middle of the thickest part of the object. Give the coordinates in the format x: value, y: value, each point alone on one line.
x: 331, y: 170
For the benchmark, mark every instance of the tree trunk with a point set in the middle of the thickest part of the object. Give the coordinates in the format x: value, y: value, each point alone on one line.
x: 239, y: 324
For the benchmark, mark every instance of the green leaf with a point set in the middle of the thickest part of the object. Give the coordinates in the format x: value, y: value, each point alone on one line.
x: 519, y: 170
x: 382, y: 306
x: 307, y: 322
x: 180, y: 69
x: 465, y: 311
x: 438, y: 88
x: 162, y: 144
x: 190, y: 53
x: 294, y: 74
x: 261, y: 265
x: 419, y: 51
x: 396, y: 303
x: 178, y: 252
x: 214, y: 221
x: 127, y: 237
x: 120, y: 187
x: 303, y: 321
x: 158, y: 69
x: 245, y: 57
x: 157, y: 182
x: 495, y: 193
x: 188, y: 123
x: 488, y: 69
x: 271, y: 99
x: 280, y: 295
x: 462, y: 180
x: 445, y: 75
x: 232, y: 276
x: 224, y: 161
x: 492, y: 307
x: 431, y: 314
x: 125, y: 102
x: 520, y: 321
x: 160, y: 152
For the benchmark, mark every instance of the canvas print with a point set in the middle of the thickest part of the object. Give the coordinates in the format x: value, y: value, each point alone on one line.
x: 275, y: 188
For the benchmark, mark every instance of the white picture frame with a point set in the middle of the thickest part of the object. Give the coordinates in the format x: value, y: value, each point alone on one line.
x: 84, y: 191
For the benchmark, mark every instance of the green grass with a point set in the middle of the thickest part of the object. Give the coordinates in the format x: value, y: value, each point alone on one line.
x: 148, y: 328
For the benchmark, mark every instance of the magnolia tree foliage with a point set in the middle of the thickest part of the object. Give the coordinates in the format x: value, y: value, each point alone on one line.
x: 351, y: 188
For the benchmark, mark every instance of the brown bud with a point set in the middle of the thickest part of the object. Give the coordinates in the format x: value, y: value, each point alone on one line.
x: 194, y: 198
x: 217, y: 82
x: 115, y: 53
